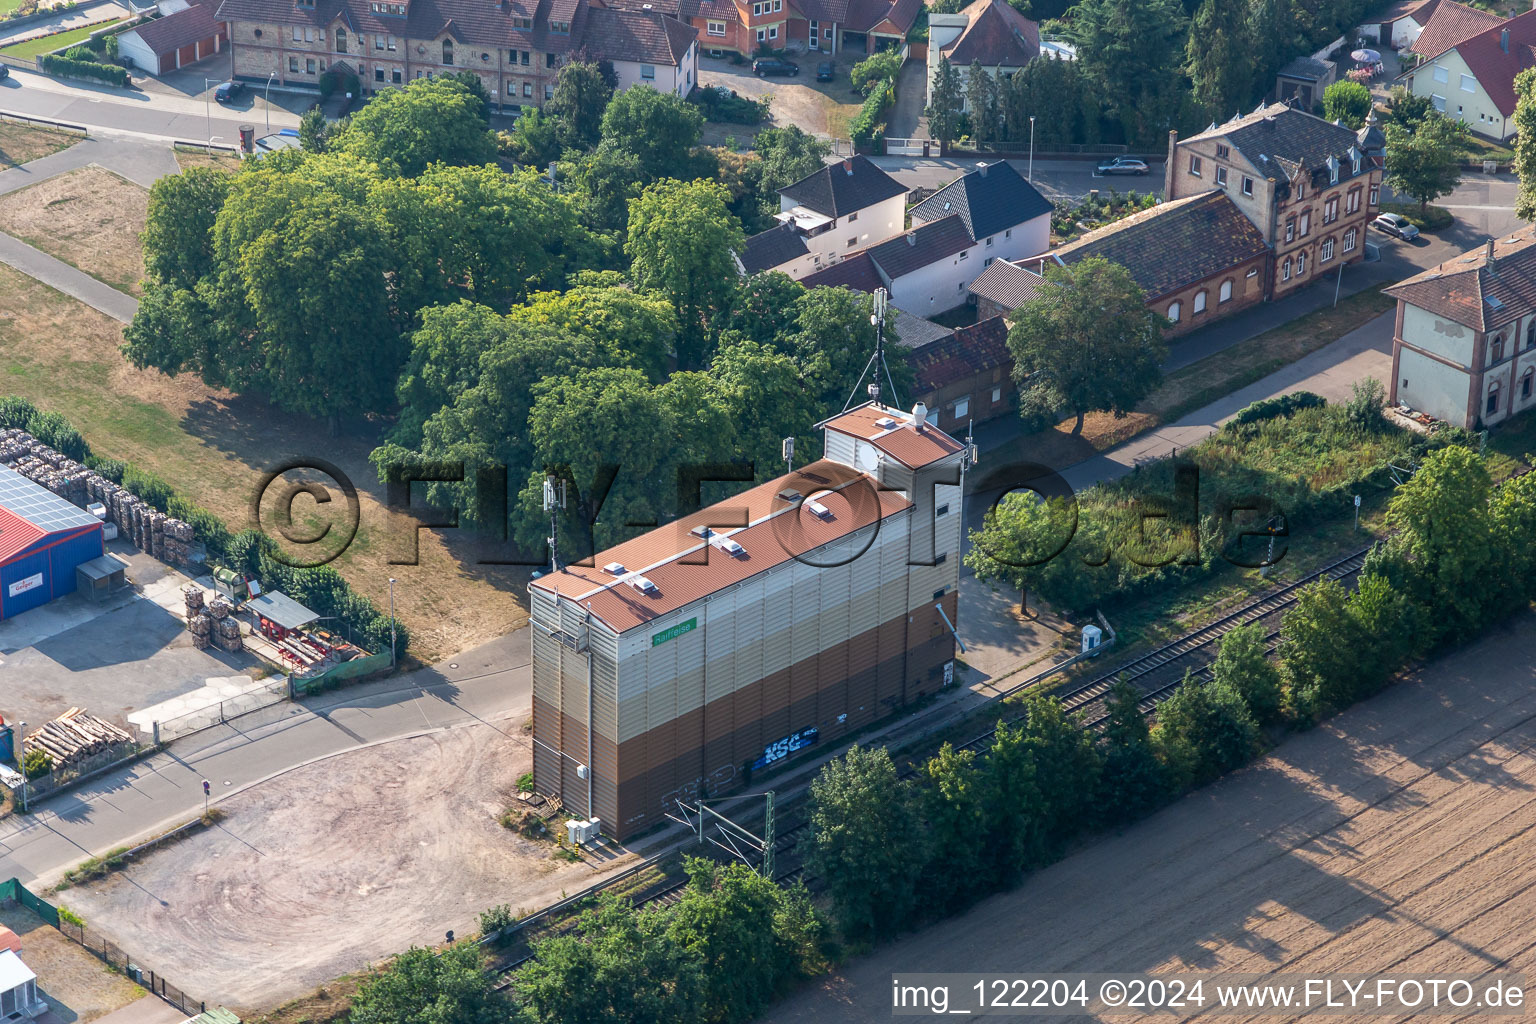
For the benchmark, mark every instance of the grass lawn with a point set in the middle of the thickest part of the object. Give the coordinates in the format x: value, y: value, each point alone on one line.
x: 89, y: 218
x: 7, y: 6
x: 190, y: 156
x: 1200, y: 384
x: 23, y: 143
x: 214, y: 447
x: 30, y: 48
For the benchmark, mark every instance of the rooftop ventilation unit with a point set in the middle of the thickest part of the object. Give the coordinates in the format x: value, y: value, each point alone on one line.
x: 790, y: 495
x: 615, y: 568
x: 701, y: 531
x: 729, y: 546
x: 885, y: 423
x: 819, y: 510
x: 645, y: 586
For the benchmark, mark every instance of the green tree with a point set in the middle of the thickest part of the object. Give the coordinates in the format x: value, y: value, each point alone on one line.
x: 946, y: 103
x: 1382, y: 620
x: 1272, y: 22
x: 1349, y: 102
x: 833, y: 341
x: 681, y: 240
x: 1204, y: 730
x: 1513, y: 525
x: 1135, y: 781
x: 788, y: 154
x: 951, y: 797
x: 637, y: 326
x: 1425, y: 163
x: 178, y: 234
x: 430, y: 120
x: 1068, y: 769
x: 423, y: 987
x: 1319, y: 656
x: 624, y: 965
x: 982, y: 99
x: 659, y: 128
x: 1443, y: 525
x: 581, y: 97
x: 1220, y: 58
x: 766, y: 307
x: 1015, y: 811
x: 1243, y: 664
x: 1408, y: 109
x: 314, y: 131
x: 875, y: 69
x: 1020, y: 540
x: 1134, y: 50
x: 1116, y: 342
x: 864, y: 843
x: 534, y: 140
x: 768, y: 400
x: 1525, y: 143
x: 1062, y: 100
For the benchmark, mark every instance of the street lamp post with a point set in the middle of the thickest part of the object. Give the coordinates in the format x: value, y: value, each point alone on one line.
x: 208, y: 107
x: 391, y: 622
x: 1031, y: 147
x: 267, y: 99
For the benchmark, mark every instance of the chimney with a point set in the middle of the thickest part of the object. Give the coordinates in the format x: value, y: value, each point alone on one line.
x: 982, y: 167
x: 1504, y: 40
x: 1488, y: 254
x: 848, y: 166
x: 919, y: 416
x: 912, y: 238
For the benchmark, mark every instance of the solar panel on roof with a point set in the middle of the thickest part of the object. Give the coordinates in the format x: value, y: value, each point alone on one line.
x: 38, y: 505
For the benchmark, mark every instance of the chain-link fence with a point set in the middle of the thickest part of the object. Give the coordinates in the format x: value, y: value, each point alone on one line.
x: 118, y: 959
x: 63, y: 775
x: 272, y: 692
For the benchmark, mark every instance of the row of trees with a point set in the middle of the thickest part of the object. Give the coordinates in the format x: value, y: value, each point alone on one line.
x: 1143, y: 67
x: 896, y: 853
x: 721, y: 954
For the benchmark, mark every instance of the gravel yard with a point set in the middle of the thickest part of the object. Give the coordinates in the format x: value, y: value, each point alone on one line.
x: 1393, y: 839
x: 332, y: 866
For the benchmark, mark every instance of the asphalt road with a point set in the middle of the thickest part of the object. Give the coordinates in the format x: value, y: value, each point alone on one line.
x: 1058, y: 179
x: 488, y: 683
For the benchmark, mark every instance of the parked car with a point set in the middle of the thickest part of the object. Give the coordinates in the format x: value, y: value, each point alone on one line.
x: 228, y: 91
x: 1123, y: 165
x: 765, y: 66
x: 826, y: 71
x: 1397, y: 225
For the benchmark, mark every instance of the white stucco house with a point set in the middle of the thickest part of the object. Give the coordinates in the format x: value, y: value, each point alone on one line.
x: 1005, y: 215
x: 991, y: 32
x: 1464, y: 348
x: 826, y: 216
x: 646, y: 48
x: 1473, y: 79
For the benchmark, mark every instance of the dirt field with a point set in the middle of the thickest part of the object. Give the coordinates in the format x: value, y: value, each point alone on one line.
x: 89, y: 218
x: 821, y: 108
x: 189, y: 158
x: 214, y: 446
x: 1394, y: 839
x: 334, y: 866
x: 20, y: 143
x: 75, y: 984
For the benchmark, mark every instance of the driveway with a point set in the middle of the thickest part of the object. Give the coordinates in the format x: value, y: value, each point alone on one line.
x: 906, y: 120
x: 821, y: 108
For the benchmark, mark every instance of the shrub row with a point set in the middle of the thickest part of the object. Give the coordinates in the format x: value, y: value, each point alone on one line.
x: 1273, y: 408
x: 721, y: 104
x: 869, y: 123
x: 66, y: 67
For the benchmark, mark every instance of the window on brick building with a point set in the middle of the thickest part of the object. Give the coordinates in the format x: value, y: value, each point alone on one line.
x: 1225, y: 291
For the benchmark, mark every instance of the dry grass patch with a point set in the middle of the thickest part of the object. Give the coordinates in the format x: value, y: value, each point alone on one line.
x: 214, y: 447
x: 188, y: 158
x: 90, y: 218
x: 79, y: 986
x: 23, y: 143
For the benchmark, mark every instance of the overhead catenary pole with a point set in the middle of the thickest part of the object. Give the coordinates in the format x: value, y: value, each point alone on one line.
x: 554, y: 501
x: 392, y: 644
x: 877, y: 318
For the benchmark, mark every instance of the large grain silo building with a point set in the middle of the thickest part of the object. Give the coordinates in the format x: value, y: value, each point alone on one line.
x: 784, y: 618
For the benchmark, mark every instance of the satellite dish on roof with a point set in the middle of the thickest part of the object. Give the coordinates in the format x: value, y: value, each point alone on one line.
x: 868, y: 458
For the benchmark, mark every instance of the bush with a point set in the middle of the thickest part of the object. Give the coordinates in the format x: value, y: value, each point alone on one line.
x: 494, y: 919
x: 1274, y: 408
x: 525, y: 782
x: 721, y: 104
x: 870, y: 119
x: 16, y: 413
x: 1363, y: 410
x: 112, y: 469
x: 1431, y: 218
x: 870, y: 72
x: 56, y: 432
x: 80, y: 52
x: 51, y: 64
x: 148, y: 488
x: 36, y: 763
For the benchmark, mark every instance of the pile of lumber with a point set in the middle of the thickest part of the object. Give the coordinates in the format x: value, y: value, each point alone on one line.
x: 75, y: 736
x: 167, y: 539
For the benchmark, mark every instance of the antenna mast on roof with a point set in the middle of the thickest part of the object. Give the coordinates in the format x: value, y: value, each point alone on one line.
x: 554, y: 503
x: 877, y: 360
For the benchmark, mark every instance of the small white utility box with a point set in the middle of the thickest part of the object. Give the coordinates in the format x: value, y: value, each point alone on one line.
x: 579, y: 833
x: 1092, y: 637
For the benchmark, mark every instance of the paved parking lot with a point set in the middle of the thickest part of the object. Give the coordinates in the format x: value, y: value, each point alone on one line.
x: 129, y: 652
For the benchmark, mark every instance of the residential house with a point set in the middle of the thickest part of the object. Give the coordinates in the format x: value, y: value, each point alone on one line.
x: 818, y: 26
x: 1447, y: 23
x: 1003, y: 212
x: 1198, y: 258
x: 989, y: 31
x: 183, y: 34
x: 516, y: 47
x: 1304, y: 80
x: 1473, y: 80
x: 1310, y: 186
x: 827, y: 215
x: 926, y: 270
x: 1464, y: 346
x: 1002, y: 288
x: 965, y: 377
x: 1401, y: 23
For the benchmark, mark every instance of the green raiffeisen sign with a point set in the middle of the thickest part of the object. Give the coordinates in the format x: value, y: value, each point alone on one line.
x: 673, y: 632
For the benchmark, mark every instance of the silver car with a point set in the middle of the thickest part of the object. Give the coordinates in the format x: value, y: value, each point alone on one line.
x: 1396, y: 224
